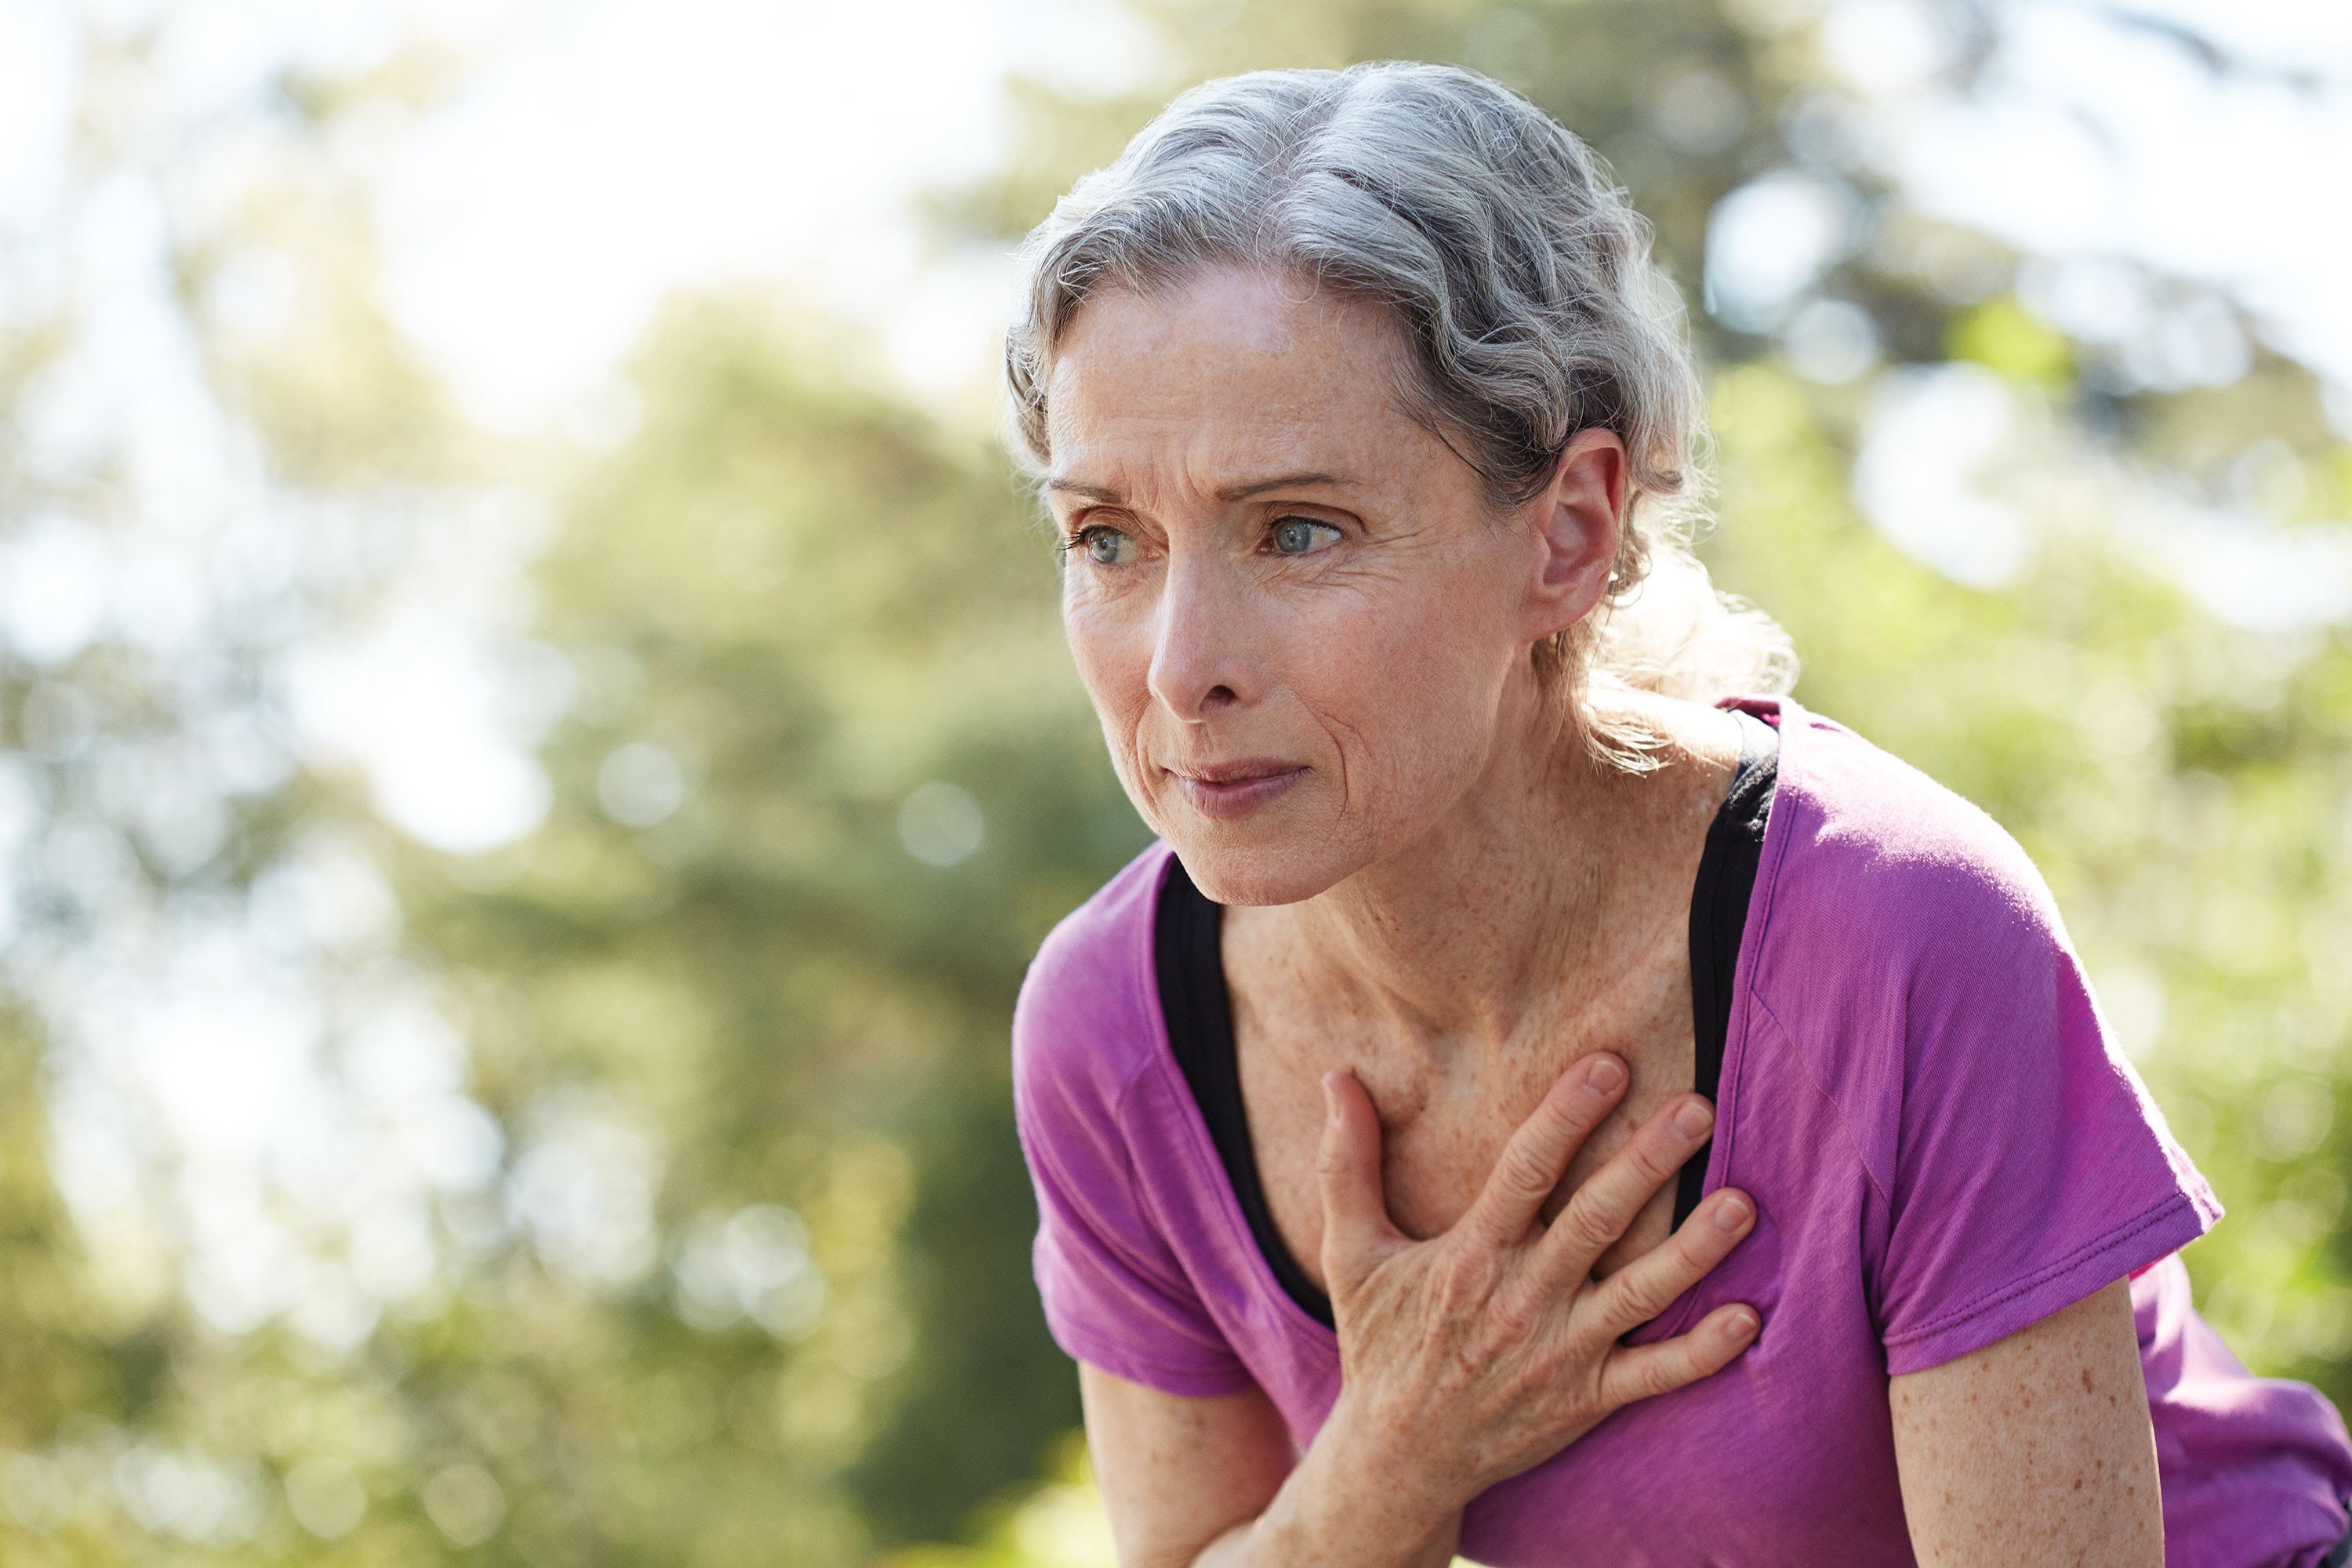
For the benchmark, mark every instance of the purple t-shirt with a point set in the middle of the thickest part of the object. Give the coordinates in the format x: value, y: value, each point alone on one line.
x: 1918, y: 1092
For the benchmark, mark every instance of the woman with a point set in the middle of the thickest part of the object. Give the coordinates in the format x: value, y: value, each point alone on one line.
x: 1547, y: 1097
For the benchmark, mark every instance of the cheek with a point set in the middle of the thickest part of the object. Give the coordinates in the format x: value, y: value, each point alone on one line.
x: 1409, y: 684
x: 1112, y: 649
x: 1097, y: 624
x: 1438, y: 649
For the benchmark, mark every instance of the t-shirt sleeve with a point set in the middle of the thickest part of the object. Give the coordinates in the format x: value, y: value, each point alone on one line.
x: 1115, y: 1294
x: 2030, y: 1167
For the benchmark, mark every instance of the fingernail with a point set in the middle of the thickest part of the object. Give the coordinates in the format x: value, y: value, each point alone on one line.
x: 1693, y: 1120
x: 1731, y: 1213
x: 1740, y: 1324
x: 1604, y: 1076
x: 1331, y: 1102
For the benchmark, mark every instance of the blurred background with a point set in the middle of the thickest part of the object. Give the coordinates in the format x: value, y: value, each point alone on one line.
x: 535, y: 743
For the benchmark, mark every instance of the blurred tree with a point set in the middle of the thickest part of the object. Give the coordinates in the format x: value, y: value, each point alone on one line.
x: 735, y: 1268
x: 825, y: 787
x: 212, y: 449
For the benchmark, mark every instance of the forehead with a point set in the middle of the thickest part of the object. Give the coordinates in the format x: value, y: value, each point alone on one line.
x: 1229, y: 370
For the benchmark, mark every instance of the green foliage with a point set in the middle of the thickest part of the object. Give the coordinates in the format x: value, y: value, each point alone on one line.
x: 751, y: 1283
x: 2003, y: 336
x: 818, y: 604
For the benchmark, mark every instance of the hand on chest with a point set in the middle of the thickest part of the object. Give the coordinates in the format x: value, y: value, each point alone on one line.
x: 1443, y: 1125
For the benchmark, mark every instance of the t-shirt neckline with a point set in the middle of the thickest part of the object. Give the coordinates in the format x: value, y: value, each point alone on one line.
x: 1191, y: 991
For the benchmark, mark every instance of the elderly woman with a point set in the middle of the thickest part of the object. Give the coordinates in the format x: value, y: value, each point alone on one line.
x: 1547, y: 1097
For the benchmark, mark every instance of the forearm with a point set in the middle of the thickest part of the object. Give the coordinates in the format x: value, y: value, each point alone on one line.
x: 1342, y: 1507
x: 1218, y: 1482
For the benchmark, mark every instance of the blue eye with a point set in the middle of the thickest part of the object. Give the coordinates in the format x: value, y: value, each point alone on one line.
x: 1301, y: 535
x: 1106, y: 546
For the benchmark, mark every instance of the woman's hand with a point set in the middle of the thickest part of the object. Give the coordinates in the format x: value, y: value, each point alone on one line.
x: 1466, y: 1359
x: 1488, y: 1349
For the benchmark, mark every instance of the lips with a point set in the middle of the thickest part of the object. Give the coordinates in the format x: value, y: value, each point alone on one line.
x: 1240, y: 771
x: 1228, y: 790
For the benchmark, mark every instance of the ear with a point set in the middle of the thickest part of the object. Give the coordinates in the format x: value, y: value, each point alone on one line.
x: 1577, y: 523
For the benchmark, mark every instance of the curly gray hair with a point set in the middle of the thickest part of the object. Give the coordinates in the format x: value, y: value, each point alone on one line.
x: 1521, y: 278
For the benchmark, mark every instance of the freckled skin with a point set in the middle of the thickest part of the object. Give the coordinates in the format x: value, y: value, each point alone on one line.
x: 1393, y: 664
x: 2003, y: 1460
x: 1453, y: 903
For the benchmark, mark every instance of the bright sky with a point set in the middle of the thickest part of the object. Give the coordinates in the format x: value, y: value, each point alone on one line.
x: 2097, y: 143
x: 617, y: 149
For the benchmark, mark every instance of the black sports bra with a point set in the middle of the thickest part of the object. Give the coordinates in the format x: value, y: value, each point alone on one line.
x: 1199, y: 1013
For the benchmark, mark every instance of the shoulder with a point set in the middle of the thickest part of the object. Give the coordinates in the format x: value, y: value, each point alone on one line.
x: 1920, y: 972
x: 1085, y: 1023
x: 1878, y: 870
x: 1911, y: 956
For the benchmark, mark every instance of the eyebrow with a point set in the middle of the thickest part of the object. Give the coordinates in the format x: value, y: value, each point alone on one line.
x: 1230, y: 493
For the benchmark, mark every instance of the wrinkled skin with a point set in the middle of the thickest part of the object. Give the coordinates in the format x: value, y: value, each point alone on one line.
x: 1307, y: 631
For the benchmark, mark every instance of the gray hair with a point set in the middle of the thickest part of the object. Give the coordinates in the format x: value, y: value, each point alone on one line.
x: 1521, y: 278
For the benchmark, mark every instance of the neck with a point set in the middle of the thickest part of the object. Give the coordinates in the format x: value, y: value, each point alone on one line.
x: 1501, y: 914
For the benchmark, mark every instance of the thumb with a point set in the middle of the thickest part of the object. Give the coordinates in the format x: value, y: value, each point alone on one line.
x: 1355, y: 1228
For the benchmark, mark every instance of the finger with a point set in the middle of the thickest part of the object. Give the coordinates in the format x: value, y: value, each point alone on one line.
x: 1644, y: 1372
x: 1356, y: 1226
x: 1599, y: 1211
x: 1534, y: 1159
x: 1651, y: 1282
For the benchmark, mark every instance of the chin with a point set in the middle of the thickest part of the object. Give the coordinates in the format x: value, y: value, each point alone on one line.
x: 1258, y: 870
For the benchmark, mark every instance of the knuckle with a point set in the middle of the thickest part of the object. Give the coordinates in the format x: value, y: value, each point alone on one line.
x: 1565, y: 1115
x: 1513, y: 1316
x: 1691, y: 1255
x: 1655, y: 1158
x: 1590, y: 1223
x: 1543, y: 1138
x: 1524, y: 1171
x: 1573, y: 1125
x: 1459, y: 1279
x: 1661, y: 1374
x: 1640, y: 1298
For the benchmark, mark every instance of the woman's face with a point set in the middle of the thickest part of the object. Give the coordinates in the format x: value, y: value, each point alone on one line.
x: 1301, y: 623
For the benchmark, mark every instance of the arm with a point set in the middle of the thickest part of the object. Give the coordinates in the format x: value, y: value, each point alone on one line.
x: 1215, y: 1483
x: 1466, y: 1359
x: 2036, y: 1449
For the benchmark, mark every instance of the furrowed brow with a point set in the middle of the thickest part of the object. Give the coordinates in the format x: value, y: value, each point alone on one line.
x: 1229, y: 494
x: 1279, y: 482
x: 1092, y: 492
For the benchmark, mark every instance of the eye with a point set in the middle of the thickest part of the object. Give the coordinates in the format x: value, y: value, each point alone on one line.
x: 1302, y: 535
x: 1106, y: 546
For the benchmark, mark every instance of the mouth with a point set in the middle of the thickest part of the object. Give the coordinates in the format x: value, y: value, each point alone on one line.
x: 1234, y: 789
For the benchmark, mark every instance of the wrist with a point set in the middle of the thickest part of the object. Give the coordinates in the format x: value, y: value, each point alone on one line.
x: 1359, y: 1497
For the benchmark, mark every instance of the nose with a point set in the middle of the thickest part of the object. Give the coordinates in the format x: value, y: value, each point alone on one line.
x: 1201, y: 662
